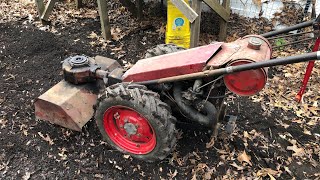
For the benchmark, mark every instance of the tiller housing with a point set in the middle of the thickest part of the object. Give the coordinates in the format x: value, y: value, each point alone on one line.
x: 134, y: 109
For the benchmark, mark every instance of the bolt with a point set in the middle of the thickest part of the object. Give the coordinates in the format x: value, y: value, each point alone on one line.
x: 116, y: 116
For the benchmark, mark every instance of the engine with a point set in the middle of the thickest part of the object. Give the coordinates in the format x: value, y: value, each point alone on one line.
x: 246, y: 50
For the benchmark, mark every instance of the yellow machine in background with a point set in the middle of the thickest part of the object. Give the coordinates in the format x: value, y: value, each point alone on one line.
x: 178, y: 27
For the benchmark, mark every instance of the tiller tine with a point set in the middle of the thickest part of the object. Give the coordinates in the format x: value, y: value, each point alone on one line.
x: 67, y: 105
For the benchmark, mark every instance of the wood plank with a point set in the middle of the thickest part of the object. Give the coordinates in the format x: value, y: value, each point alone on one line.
x: 223, y: 23
x: 47, y: 10
x: 104, y: 19
x: 190, y: 14
x: 40, y: 7
x: 195, y: 26
x: 218, y: 8
x: 79, y: 4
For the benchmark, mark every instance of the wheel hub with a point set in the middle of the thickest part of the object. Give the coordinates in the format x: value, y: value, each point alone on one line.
x: 130, y: 128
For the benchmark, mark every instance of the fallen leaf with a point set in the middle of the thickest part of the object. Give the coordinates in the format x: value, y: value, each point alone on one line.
x: 306, y: 131
x: 92, y: 35
x: 299, y: 121
x: 246, y: 134
x: 26, y: 176
x: 239, y: 168
x: 172, y: 175
x: 46, y: 138
x: 267, y: 172
x: 287, y: 170
x: 243, y: 157
x: 100, y: 176
x: 297, y: 151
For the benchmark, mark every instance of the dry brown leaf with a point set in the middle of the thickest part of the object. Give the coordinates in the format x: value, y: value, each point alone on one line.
x: 46, y: 138
x: 271, y: 177
x: 306, y: 131
x: 299, y: 121
x: 239, y: 168
x: 243, y: 157
x: 93, y: 35
x: 117, y: 34
x: 26, y: 176
x: 208, y: 174
x: 267, y: 172
x: 297, y: 151
x: 246, y: 135
x: 172, y: 175
x: 194, y: 177
x: 211, y: 143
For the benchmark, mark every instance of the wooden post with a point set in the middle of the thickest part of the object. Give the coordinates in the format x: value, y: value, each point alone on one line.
x: 223, y: 12
x: 47, y: 10
x: 104, y: 19
x: 40, y: 7
x: 195, y: 26
x: 79, y: 4
x: 223, y: 22
x: 139, y: 9
x: 186, y: 10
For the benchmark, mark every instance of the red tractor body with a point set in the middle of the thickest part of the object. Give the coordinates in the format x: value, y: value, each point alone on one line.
x: 168, y: 65
x: 249, y: 49
x: 134, y: 109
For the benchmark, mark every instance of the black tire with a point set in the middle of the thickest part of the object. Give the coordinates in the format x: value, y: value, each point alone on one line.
x: 162, y: 49
x: 148, y: 104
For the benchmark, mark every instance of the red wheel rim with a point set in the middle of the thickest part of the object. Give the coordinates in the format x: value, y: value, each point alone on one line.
x: 129, y: 130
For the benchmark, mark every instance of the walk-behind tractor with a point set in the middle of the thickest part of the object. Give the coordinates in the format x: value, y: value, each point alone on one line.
x: 134, y: 109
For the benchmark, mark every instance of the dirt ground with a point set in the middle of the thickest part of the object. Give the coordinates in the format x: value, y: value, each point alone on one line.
x: 268, y: 142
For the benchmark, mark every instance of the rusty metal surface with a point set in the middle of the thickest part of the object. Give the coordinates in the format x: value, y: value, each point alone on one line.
x: 83, y: 69
x: 79, y: 69
x: 239, y: 50
x: 175, y: 64
x: 67, y: 105
x: 107, y: 64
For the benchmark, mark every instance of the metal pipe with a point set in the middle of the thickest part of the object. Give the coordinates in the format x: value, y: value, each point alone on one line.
x: 294, y: 42
x: 206, y: 119
x: 244, y: 67
x: 289, y: 35
x: 288, y: 29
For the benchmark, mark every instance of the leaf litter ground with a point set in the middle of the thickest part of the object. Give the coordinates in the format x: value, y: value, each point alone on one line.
x: 275, y: 137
